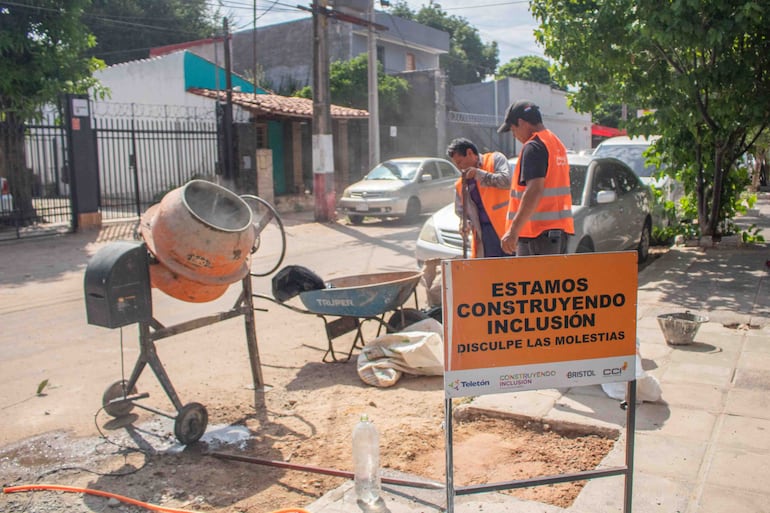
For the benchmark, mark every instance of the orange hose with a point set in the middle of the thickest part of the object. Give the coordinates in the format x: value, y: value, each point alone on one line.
x: 122, y: 498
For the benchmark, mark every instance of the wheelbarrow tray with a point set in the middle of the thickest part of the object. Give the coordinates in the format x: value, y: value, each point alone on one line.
x: 362, y: 296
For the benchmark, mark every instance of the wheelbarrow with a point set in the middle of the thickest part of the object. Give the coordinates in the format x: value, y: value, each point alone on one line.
x: 356, y: 299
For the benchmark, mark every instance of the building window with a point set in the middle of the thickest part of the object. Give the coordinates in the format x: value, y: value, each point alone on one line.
x: 261, y: 129
x: 410, y: 64
x: 381, y: 56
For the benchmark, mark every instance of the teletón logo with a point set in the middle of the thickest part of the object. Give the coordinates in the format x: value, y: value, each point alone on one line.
x: 458, y: 384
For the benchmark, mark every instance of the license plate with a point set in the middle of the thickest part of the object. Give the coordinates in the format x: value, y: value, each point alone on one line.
x: 362, y: 208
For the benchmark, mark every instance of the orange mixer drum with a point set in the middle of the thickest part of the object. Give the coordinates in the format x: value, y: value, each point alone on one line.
x: 179, y: 287
x: 203, y: 234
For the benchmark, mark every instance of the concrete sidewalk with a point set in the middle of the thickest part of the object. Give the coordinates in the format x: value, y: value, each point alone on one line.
x: 704, y: 448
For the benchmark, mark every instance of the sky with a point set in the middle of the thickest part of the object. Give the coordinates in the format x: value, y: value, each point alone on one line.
x: 507, y: 22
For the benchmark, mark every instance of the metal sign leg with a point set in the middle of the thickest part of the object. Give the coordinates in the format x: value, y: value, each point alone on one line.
x: 450, y: 489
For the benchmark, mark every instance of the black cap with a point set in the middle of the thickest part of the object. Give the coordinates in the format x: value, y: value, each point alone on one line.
x: 522, y: 109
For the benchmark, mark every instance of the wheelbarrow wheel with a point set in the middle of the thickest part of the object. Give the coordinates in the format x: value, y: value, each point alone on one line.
x: 405, y: 317
x: 118, y: 391
x: 190, y: 423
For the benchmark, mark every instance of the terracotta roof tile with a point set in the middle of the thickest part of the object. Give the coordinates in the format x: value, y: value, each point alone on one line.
x: 277, y: 105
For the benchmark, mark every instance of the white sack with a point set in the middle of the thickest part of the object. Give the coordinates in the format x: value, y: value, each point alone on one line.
x: 417, y: 350
x: 647, y: 386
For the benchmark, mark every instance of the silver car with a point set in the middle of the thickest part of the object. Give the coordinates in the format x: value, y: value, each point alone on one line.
x: 610, y: 206
x: 402, y: 187
x: 631, y: 151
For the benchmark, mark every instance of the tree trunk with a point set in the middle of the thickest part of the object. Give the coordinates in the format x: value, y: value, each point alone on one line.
x: 755, y: 171
x: 716, y: 194
x: 700, y: 191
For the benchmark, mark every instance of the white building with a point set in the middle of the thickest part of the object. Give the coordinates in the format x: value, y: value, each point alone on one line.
x: 476, y: 110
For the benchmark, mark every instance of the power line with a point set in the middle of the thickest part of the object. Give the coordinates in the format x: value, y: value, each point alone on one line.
x: 485, y: 5
x: 114, y: 20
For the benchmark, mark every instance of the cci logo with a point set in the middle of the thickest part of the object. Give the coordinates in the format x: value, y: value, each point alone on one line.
x: 616, y: 371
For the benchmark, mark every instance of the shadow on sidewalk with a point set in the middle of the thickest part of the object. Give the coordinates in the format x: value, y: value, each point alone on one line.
x: 728, y: 284
x: 46, y: 259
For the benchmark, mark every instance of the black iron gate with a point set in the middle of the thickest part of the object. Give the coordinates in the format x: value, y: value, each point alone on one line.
x: 145, y: 151
x: 35, y: 197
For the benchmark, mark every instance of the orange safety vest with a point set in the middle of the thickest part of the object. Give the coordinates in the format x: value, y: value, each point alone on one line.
x: 493, y: 199
x: 554, y: 212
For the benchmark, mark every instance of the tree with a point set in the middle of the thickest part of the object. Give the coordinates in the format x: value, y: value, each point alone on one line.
x: 530, y: 67
x: 348, y: 85
x: 469, y: 59
x: 700, y: 67
x: 42, y: 48
x: 126, y: 30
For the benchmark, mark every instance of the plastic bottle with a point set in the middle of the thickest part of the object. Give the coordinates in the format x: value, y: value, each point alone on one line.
x: 366, y: 460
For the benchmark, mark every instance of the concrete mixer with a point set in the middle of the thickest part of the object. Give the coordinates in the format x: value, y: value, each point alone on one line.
x: 195, y: 243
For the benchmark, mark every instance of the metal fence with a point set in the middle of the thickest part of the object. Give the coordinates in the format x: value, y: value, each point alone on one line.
x: 39, y: 200
x: 45, y: 153
x: 144, y: 152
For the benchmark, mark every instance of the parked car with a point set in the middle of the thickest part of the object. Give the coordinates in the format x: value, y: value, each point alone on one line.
x: 631, y: 151
x: 610, y: 205
x: 402, y: 187
x: 6, y: 198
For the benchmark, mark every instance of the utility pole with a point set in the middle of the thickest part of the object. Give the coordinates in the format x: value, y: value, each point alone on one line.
x: 374, y: 107
x: 323, y: 149
x: 228, y: 146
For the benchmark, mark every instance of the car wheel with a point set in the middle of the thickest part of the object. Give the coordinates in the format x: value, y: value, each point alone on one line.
x: 643, y: 251
x: 356, y: 219
x: 412, y: 210
x: 585, y: 246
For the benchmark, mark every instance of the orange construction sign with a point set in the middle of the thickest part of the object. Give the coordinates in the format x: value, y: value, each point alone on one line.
x: 536, y: 322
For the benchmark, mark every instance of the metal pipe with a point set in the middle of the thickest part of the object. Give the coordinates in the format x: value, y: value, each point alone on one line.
x: 321, y: 470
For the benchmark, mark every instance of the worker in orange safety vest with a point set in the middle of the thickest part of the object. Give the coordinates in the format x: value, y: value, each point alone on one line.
x: 487, y: 180
x: 539, y: 220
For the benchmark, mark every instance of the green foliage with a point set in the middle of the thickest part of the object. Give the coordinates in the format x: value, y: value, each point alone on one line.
x: 469, y: 59
x: 127, y: 29
x: 611, y: 114
x: 693, y: 64
x: 43, y: 47
x: 349, y: 85
x: 530, y: 67
x: 752, y: 235
x: 402, y: 10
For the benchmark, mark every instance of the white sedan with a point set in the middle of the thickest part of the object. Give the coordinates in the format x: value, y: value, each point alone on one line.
x: 610, y: 205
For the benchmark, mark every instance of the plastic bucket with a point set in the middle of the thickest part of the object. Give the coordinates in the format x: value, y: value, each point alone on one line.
x: 680, y: 328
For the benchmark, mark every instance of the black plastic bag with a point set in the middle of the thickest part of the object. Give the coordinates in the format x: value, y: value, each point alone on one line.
x: 294, y: 279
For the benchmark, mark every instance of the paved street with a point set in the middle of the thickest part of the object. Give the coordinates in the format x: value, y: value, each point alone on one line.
x: 44, y: 334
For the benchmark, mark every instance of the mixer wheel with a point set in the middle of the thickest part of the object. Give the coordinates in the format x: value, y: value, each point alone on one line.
x: 116, y: 391
x: 190, y: 423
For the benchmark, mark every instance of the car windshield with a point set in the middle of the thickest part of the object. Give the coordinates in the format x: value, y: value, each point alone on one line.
x: 391, y: 170
x: 630, y: 154
x: 577, y: 181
